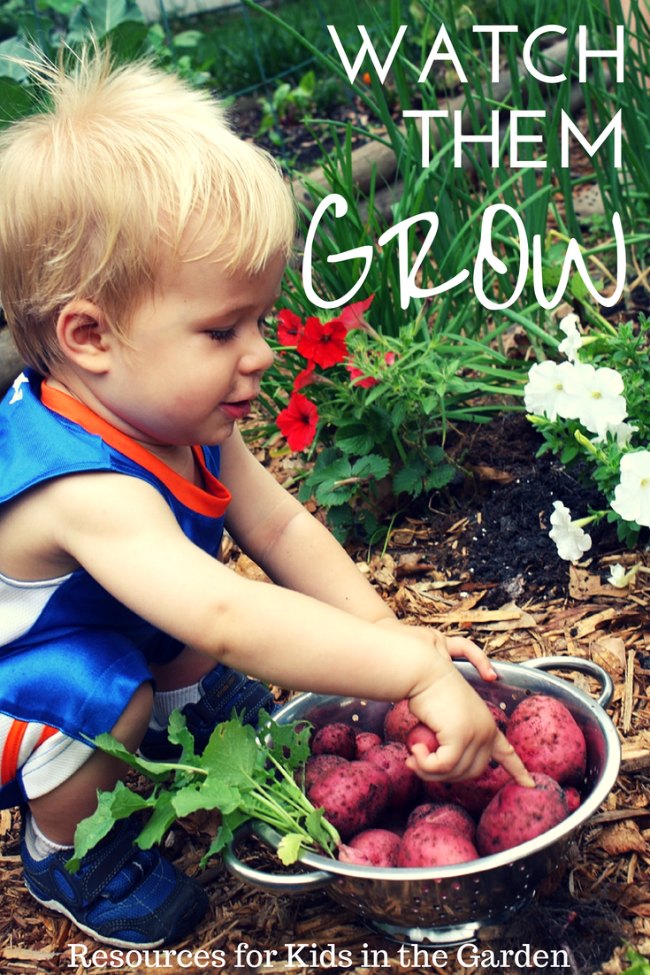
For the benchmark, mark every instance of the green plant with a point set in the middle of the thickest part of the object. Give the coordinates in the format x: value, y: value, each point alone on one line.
x: 592, y: 412
x: 52, y: 25
x: 379, y: 409
x: 242, y: 773
x: 639, y: 964
x: 287, y: 106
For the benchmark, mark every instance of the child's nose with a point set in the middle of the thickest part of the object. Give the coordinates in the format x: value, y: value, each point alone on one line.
x: 258, y: 357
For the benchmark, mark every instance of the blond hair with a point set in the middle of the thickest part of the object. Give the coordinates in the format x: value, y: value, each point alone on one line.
x: 101, y: 185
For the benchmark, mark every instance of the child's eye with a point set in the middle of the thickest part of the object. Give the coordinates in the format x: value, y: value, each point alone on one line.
x: 222, y: 334
x: 263, y: 324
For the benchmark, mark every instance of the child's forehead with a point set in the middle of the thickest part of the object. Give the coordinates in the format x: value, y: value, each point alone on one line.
x: 212, y: 271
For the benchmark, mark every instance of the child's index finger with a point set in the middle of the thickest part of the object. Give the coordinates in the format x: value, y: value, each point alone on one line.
x: 505, y: 755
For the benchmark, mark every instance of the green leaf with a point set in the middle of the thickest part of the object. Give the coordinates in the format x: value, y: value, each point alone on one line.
x: 232, y: 753
x: 332, y: 494
x: 162, y: 817
x: 156, y: 771
x: 288, y: 744
x: 112, y: 806
x: 354, y: 440
x: 337, y: 470
x: 408, y: 480
x: 12, y: 47
x: 640, y: 964
x: 178, y: 734
x: 439, y: 477
x: 371, y: 466
x: 210, y: 794
x: 289, y: 848
x: 104, y: 15
x: 15, y: 100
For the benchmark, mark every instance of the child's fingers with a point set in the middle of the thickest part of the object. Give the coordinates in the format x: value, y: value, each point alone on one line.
x: 448, y: 763
x: 505, y: 755
x: 462, y: 647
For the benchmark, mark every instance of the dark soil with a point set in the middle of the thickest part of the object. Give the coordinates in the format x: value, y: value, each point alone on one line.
x: 507, y: 499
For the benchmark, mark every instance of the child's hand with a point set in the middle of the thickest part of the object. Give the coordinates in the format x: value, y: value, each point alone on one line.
x: 467, y: 734
x: 456, y: 647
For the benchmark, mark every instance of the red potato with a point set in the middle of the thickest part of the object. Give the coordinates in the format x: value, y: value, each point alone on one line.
x: 446, y: 814
x: 365, y: 741
x: 335, y: 739
x: 317, y: 766
x: 499, y: 715
x: 548, y: 739
x: 398, y: 721
x: 405, y: 786
x: 517, y: 814
x: 372, y: 847
x: 573, y: 798
x: 353, y: 796
x: 429, y: 845
x: 422, y: 734
x: 472, y: 794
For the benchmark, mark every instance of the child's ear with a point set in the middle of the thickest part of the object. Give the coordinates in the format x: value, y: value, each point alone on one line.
x: 84, y: 335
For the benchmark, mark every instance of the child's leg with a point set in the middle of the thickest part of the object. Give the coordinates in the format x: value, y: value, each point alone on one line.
x: 206, y: 694
x: 57, y: 813
x: 121, y: 895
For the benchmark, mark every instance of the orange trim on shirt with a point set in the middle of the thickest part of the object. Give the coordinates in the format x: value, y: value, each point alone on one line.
x: 211, y: 500
x: 46, y: 733
x: 11, y: 750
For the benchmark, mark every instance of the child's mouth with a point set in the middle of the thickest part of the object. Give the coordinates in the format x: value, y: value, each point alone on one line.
x: 238, y: 410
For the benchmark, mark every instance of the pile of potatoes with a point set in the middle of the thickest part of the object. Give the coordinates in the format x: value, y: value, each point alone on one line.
x: 388, y: 817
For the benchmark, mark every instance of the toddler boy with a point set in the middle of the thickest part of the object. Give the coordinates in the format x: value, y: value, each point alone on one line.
x: 142, y: 245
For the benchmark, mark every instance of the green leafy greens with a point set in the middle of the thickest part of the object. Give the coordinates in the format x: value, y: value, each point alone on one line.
x: 242, y: 774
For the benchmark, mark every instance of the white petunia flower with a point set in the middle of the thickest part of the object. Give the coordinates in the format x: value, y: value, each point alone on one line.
x: 622, y: 432
x: 632, y: 495
x: 599, y: 403
x: 549, y: 390
x: 570, y: 345
x: 571, y: 539
x: 619, y: 577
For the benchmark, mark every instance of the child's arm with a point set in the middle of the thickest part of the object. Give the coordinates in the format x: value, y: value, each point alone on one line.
x: 298, y: 552
x: 122, y: 531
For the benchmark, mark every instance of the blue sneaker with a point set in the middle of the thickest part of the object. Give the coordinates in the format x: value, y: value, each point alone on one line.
x: 120, y: 895
x: 222, y: 690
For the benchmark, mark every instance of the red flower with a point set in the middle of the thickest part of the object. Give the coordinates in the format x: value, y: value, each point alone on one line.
x: 304, y: 377
x: 367, y: 382
x: 352, y: 315
x: 323, y: 342
x: 289, y: 327
x: 298, y: 421
x: 358, y: 378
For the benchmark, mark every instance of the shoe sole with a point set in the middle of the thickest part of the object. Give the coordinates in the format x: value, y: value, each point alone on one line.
x: 116, y: 942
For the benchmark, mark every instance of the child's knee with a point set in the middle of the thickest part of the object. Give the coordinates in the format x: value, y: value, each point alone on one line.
x: 134, y: 720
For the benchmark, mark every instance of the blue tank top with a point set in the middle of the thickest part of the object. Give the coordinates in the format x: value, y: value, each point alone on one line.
x: 45, y: 434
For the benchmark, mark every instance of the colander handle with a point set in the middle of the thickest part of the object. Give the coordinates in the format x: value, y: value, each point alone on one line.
x: 581, y: 665
x: 272, y: 883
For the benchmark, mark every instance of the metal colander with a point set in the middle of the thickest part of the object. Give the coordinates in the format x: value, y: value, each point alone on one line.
x: 444, y: 905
